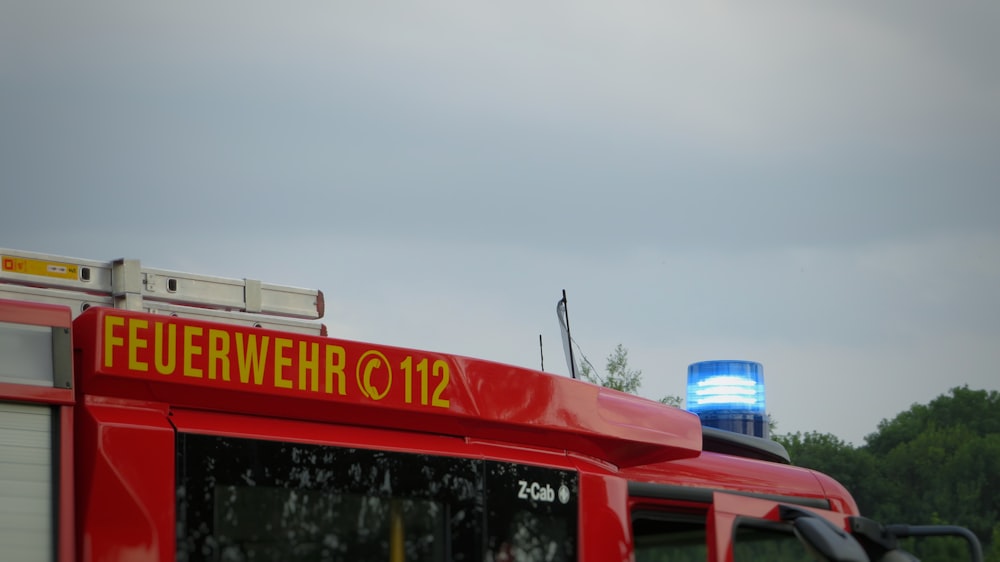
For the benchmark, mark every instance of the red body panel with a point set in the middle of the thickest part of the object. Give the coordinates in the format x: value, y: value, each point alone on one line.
x: 40, y: 394
x: 262, y: 372
x: 35, y: 314
x: 605, y: 523
x: 840, y: 498
x: 125, y: 476
x: 141, y: 385
x: 713, y: 470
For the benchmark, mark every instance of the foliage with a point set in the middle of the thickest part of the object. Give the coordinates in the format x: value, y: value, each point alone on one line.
x: 937, y: 463
x: 670, y: 400
x: 620, y: 376
x: 978, y: 410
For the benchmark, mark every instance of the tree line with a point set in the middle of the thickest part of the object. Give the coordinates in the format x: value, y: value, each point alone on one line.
x: 936, y: 463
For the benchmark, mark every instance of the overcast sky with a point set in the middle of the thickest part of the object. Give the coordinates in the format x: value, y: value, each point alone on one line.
x: 811, y: 185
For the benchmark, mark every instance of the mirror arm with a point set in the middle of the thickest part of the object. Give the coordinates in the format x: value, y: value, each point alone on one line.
x: 975, y: 548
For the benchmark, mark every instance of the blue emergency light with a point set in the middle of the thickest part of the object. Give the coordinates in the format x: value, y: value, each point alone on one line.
x: 728, y: 395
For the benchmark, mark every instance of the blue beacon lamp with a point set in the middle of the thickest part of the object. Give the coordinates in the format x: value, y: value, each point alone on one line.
x: 728, y: 395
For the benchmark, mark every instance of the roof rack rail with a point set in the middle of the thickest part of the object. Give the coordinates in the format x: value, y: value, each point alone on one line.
x: 127, y: 284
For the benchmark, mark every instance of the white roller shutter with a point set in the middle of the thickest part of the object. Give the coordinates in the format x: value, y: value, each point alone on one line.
x: 26, y: 500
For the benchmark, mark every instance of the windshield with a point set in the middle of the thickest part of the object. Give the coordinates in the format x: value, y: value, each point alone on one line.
x: 248, y: 499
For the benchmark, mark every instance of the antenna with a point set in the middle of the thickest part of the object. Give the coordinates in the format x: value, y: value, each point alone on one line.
x: 562, y: 311
x: 541, y: 351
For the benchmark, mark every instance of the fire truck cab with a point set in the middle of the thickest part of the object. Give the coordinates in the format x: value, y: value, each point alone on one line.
x: 155, y: 415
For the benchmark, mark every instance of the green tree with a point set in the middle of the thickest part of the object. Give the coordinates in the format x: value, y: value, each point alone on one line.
x: 671, y: 400
x: 978, y: 410
x: 945, y: 474
x: 941, y: 461
x: 992, y: 554
x: 619, y: 375
x: 936, y: 463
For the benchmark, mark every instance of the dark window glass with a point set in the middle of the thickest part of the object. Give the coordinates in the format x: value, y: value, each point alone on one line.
x: 242, y: 499
x: 246, y: 499
x: 532, y: 513
x: 669, y: 537
x: 770, y: 542
x: 675, y: 537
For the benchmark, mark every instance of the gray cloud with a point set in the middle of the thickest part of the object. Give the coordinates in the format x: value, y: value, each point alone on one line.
x: 797, y: 184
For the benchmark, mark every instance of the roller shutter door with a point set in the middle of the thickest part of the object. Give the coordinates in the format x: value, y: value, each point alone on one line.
x: 26, y: 495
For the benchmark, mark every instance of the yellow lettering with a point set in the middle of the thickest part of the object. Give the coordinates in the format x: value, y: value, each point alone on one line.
x: 218, y: 353
x: 441, y: 371
x: 135, y: 343
x: 249, y: 358
x: 191, y: 350
x: 308, y: 364
x: 407, y: 366
x: 422, y: 369
x: 164, y: 363
x: 280, y: 362
x: 110, y: 340
x: 335, y: 360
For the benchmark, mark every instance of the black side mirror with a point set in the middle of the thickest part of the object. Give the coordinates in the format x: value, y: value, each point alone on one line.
x: 823, y: 538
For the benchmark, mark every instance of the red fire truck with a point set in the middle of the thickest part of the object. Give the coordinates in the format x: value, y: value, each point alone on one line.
x: 155, y: 415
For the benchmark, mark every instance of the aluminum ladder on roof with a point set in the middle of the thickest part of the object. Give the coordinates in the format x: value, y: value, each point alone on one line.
x: 126, y: 284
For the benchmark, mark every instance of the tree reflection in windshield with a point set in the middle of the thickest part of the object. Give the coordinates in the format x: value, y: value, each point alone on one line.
x: 245, y: 499
x: 242, y: 499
